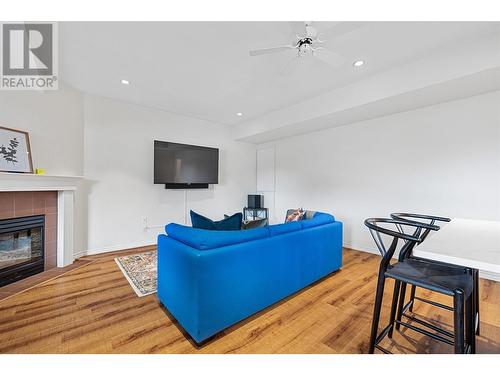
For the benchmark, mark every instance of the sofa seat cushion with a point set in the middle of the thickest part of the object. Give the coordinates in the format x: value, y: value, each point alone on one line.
x: 278, y: 229
x: 319, y: 218
x: 203, y: 239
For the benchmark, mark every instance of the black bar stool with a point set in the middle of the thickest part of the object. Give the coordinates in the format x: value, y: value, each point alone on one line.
x: 403, y: 308
x: 424, y: 274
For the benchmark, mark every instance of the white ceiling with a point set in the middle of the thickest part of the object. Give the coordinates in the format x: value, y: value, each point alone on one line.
x: 203, y: 69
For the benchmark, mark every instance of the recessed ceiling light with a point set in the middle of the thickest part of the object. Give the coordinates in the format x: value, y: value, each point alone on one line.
x: 358, y: 63
x: 125, y: 82
x: 239, y: 114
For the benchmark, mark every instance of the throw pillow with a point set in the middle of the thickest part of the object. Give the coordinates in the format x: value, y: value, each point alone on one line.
x: 201, y: 222
x: 230, y: 223
x: 295, y: 215
x: 309, y: 215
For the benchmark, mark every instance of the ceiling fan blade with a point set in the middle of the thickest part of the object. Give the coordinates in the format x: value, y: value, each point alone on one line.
x: 340, y: 28
x: 264, y: 51
x: 331, y: 58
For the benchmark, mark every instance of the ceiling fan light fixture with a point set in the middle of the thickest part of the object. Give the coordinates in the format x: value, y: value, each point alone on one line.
x: 309, y: 43
x: 125, y: 82
x: 239, y: 114
x: 358, y: 63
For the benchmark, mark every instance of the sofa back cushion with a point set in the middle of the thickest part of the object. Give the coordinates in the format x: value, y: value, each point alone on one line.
x: 278, y: 229
x: 319, y: 218
x: 203, y: 239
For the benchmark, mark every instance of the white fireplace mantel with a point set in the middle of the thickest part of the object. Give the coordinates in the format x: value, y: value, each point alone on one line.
x: 37, y: 182
x: 65, y: 187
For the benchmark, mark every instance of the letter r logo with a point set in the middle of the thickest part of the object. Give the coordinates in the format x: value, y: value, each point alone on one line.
x: 27, y: 49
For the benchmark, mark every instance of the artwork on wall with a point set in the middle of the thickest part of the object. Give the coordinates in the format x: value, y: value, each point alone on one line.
x: 15, y: 151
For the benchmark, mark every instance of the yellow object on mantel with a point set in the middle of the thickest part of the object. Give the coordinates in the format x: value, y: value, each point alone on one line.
x: 39, y: 171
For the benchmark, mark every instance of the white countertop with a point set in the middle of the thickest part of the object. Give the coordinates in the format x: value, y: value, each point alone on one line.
x: 466, y: 242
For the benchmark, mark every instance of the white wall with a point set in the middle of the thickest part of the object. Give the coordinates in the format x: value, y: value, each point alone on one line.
x: 119, y: 172
x: 54, y: 120
x: 442, y: 159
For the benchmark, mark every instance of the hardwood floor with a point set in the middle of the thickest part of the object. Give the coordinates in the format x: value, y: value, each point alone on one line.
x: 29, y: 282
x: 93, y: 309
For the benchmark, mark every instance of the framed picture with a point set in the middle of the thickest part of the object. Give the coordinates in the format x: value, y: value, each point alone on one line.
x: 15, y: 151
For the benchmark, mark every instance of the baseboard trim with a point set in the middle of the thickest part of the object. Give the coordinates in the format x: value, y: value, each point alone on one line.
x: 109, y: 249
x: 489, y: 276
x: 482, y: 274
x: 361, y: 248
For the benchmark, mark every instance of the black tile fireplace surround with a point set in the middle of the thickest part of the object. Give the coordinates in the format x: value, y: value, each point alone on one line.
x: 21, y: 248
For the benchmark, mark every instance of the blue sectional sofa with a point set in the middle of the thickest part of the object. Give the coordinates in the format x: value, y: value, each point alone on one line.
x: 209, y: 280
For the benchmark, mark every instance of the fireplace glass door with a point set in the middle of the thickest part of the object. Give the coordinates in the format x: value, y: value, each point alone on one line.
x: 21, y: 247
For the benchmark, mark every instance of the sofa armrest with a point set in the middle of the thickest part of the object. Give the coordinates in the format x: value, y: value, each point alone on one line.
x: 178, y: 287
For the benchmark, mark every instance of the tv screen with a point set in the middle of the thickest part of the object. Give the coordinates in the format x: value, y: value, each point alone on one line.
x: 176, y: 163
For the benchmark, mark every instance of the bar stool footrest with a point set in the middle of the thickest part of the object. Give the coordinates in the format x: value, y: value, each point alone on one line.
x: 437, y: 304
x: 429, y: 325
x: 425, y: 332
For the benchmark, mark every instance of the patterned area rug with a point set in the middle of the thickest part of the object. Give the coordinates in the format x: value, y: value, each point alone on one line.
x: 140, y: 271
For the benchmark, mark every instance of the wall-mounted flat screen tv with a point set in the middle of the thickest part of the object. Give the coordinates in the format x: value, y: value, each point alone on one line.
x: 182, y: 166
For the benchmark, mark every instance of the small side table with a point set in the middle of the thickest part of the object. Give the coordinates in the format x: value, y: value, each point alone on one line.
x: 250, y: 214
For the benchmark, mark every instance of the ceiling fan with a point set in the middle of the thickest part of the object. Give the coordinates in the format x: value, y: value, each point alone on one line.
x: 308, y: 42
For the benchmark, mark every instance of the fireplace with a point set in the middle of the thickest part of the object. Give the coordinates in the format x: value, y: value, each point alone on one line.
x: 22, y: 247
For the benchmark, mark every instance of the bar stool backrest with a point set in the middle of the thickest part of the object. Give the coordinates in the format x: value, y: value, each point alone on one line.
x: 418, y: 218
x: 376, y: 228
